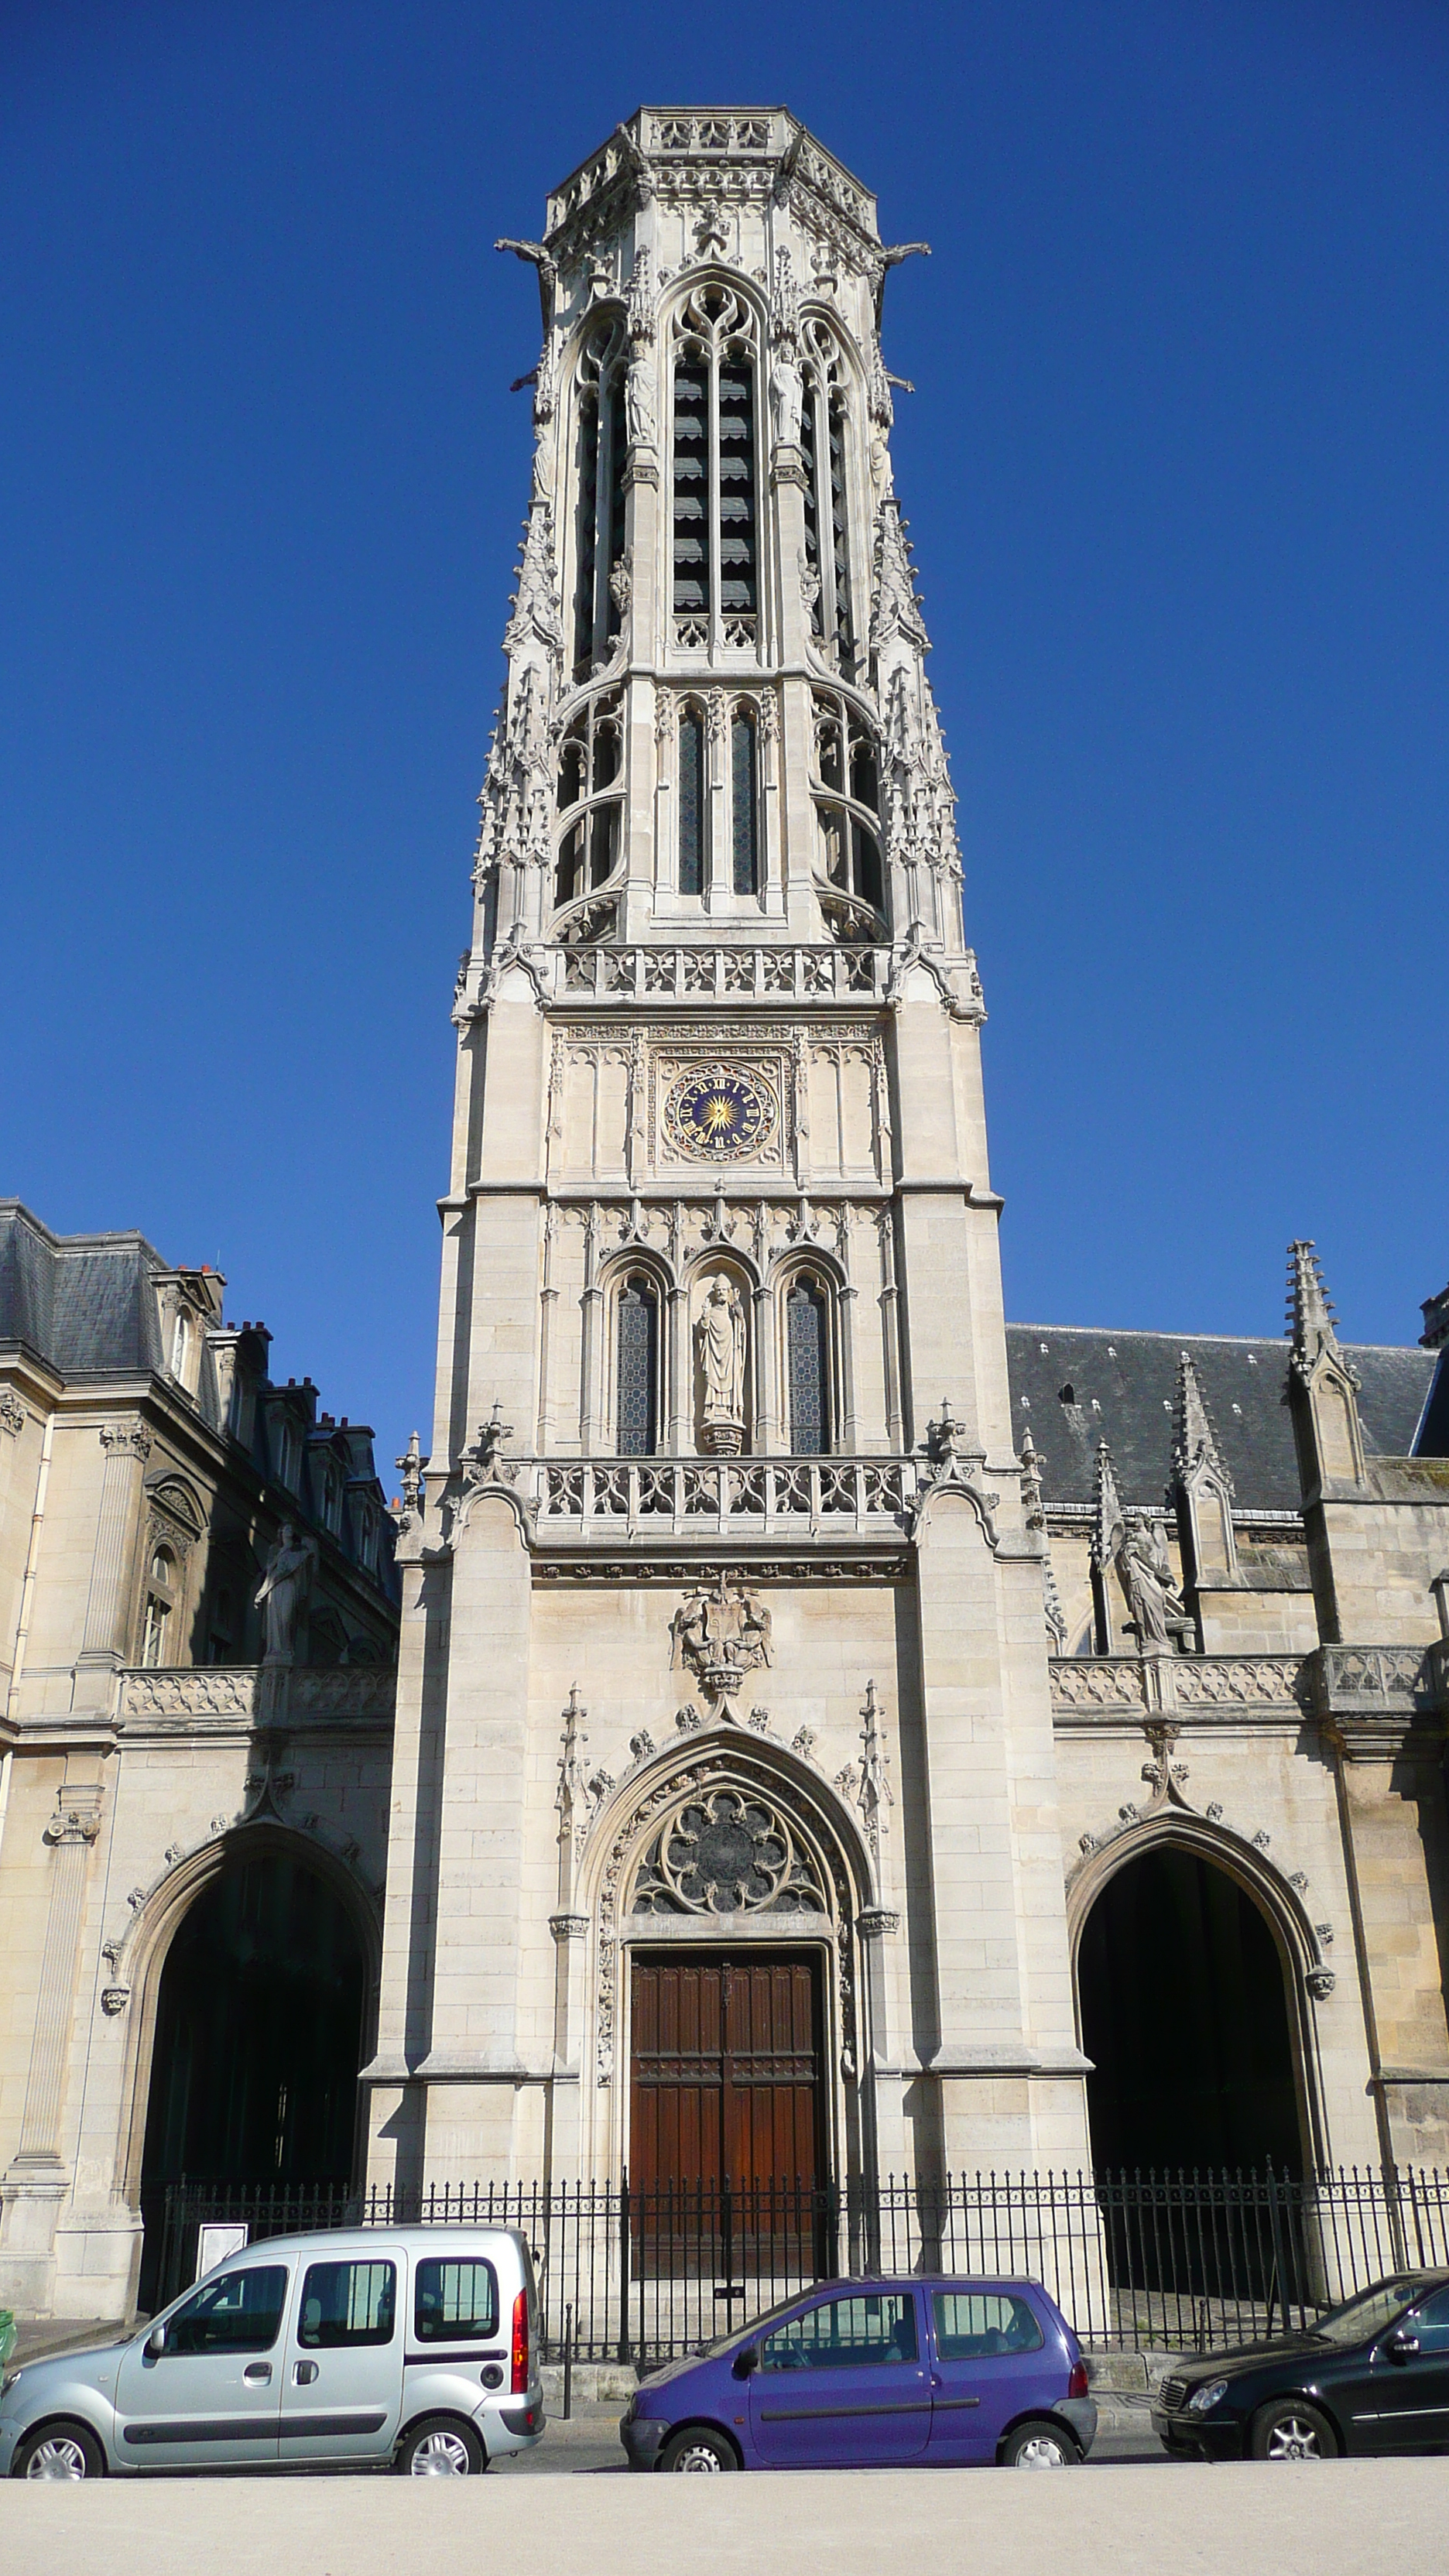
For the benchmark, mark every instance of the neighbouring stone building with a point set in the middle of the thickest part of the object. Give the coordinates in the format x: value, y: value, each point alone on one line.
x: 193, y: 1778
x: 837, y: 1732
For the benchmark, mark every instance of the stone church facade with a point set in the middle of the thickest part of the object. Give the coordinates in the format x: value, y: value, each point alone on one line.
x: 795, y: 1657
x: 837, y: 1733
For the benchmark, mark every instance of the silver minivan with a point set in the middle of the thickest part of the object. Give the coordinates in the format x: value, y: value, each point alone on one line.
x: 418, y: 2346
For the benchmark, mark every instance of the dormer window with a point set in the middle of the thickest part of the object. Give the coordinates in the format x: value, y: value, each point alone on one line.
x: 284, y: 1452
x: 181, y: 1348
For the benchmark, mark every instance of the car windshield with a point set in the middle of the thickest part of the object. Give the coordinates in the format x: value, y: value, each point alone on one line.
x: 1367, y: 2315
x: 740, y: 2335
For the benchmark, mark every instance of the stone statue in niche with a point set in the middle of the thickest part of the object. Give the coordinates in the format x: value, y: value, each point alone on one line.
x: 787, y: 392
x: 283, y: 1591
x: 1159, y: 1612
x: 720, y: 1636
x: 720, y: 1334
x: 639, y: 400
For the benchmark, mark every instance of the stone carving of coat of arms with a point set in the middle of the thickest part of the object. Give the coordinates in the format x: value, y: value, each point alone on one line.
x: 720, y: 1635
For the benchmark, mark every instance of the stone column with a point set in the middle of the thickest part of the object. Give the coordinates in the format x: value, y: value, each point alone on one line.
x: 103, y: 1647
x: 37, y: 2179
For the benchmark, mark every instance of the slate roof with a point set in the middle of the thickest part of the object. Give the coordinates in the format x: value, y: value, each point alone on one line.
x: 83, y: 1302
x: 1133, y: 1379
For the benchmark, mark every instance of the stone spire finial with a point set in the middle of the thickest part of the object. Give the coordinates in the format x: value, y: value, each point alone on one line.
x: 1310, y: 1324
x: 1194, y: 1435
x: 1109, y: 1520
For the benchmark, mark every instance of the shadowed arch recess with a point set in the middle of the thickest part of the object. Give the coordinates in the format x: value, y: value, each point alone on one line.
x: 1185, y: 2016
x: 258, y: 2039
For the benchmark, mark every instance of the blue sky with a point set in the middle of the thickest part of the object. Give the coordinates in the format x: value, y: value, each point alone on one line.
x: 1176, y: 471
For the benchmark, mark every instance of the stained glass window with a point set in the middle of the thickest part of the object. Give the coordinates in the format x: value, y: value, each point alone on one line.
x: 745, y: 801
x: 691, y: 802
x: 638, y: 1342
x: 805, y: 1327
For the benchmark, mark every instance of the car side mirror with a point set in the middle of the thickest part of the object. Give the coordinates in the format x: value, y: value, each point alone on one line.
x: 1401, y: 2345
x: 747, y: 2361
x: 155, y: 2343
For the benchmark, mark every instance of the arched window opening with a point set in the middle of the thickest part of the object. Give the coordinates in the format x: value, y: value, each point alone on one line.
x: 847, y: 802
x: 715, y: 511
x: 180, y: 1347
x: 1185, y: 2018
x: 824, y: 432
x: 637, y: 1390
x: 807, y: 1323
x: 692, y: 801
x: 600, y: 444
x: 258, y: 2042
x: 745, y: 804
x: 591, y: 759
x: 160, y: 1602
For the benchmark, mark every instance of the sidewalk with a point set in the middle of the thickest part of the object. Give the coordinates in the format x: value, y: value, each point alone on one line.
x: 1348, y: 2519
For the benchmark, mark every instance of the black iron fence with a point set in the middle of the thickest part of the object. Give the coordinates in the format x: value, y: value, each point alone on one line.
x: 1173, y: 2261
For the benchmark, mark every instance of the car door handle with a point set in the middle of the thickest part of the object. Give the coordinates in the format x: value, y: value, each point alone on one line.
x: 303, y: 2373
x: 257, y: 2373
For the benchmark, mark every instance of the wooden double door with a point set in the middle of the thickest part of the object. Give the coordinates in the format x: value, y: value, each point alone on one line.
x: 726, y: 2072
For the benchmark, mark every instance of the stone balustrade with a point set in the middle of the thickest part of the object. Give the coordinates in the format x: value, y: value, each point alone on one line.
x: 257, y: 1691
x: 719, y: 973
x: 663, y: 1498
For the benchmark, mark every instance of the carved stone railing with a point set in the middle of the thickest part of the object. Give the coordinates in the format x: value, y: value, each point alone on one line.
x: 256, y: 1692
x: 1369, y: 1679
x: 666, y: 1498
x: 719, y: 973
x: 1140, y: 1687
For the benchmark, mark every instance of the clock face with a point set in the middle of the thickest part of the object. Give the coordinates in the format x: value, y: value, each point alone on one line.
x: 720, y: 1113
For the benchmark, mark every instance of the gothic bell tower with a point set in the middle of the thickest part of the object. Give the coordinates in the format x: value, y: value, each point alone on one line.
x: 723, y: 1710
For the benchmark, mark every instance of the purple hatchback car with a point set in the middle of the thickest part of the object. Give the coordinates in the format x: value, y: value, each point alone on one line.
x: 876, y: 2374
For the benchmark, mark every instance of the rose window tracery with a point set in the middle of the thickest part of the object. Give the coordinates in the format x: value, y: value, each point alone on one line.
x: 727, y: 1851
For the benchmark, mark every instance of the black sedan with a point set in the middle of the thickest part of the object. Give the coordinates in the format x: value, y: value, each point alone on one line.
x: 1370, y: 2376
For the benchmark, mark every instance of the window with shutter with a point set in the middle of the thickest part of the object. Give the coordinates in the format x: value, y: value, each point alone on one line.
x: 638, y: 1368
x: 806, y: 1322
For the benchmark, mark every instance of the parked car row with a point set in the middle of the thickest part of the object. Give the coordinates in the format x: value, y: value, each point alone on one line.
x: 420, y: 2348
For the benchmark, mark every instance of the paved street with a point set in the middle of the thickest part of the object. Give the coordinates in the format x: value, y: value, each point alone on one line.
x: 589, y: 2445
x: 1351, y: 2519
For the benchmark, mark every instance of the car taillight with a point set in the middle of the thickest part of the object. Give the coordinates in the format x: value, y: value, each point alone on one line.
x: 1077, y: 2384
x: 519, y: 2381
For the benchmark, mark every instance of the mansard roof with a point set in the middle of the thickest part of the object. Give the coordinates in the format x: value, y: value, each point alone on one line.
x: 1123, y: 1389
x: 81, y: 1302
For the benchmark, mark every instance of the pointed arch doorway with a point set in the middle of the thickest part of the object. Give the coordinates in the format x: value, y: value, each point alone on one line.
x: 257, y: 2040
x: 1185, y: 2016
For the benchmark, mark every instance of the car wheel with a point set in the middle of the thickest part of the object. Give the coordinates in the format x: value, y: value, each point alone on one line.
x: 1039, y: 2445
x: 67, y: 2452
x: 441, y: 2447
x: 1290, y: 2429
x: 699, y: 2452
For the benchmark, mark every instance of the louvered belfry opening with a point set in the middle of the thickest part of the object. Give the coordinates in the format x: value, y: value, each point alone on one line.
x: 691, y: 491
x: 738, y: 543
